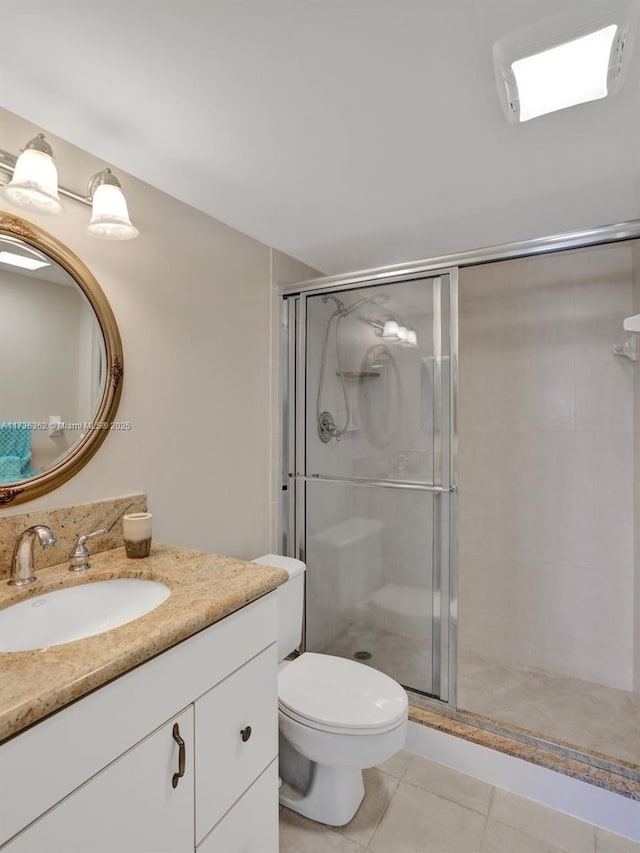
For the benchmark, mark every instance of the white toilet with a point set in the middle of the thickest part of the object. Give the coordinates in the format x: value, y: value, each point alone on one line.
x: 336, y: 716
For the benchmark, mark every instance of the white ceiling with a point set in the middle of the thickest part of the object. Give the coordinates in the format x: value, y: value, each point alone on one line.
x: 348, y: 133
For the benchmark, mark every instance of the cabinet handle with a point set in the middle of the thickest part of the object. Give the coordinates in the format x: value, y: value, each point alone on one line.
x: 245, y: 734
x: 181, y: 756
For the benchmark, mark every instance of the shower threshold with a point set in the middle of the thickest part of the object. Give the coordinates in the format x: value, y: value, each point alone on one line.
x: 593, y: 768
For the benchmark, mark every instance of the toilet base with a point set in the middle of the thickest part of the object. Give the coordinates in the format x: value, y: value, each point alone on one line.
x: 333, y: 797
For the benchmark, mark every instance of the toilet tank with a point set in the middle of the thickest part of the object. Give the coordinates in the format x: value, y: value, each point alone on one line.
x: 290, y: 596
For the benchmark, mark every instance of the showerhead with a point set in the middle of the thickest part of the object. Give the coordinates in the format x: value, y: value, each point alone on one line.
x: 339, y: 302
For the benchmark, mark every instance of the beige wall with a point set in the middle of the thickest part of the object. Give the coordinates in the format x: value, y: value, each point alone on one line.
x: 192, y: 298
x: 546, y: 464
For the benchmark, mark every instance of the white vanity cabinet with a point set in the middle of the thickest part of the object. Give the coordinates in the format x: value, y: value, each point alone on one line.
x: 129, y: 806
x: 96, y: 777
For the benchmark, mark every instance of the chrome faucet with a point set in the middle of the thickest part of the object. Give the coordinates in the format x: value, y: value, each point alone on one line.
x: 22, y: 561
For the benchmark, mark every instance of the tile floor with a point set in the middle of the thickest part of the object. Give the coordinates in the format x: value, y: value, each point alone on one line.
x: 412, y: 805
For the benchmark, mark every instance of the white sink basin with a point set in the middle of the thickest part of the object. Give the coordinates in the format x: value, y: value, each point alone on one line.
x: 77, y: 612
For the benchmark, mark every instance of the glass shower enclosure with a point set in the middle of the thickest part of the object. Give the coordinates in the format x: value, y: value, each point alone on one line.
x: 369, y: 472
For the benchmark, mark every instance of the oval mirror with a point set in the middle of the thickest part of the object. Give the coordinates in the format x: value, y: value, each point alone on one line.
x: 61, y: 362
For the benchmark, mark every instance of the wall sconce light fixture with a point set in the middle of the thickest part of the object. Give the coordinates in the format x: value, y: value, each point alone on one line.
x: 34, y: 186
x: 392, y: 331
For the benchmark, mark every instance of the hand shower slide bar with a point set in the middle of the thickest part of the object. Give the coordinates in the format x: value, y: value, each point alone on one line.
x: 385, y: 484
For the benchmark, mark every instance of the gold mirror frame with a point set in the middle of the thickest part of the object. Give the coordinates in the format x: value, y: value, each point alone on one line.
x: 78, y: 456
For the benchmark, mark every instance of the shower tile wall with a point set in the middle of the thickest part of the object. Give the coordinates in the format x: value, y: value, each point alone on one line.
x: 546, y: 467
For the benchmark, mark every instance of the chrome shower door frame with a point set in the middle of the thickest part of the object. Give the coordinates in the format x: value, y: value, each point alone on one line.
x: 295, y: 475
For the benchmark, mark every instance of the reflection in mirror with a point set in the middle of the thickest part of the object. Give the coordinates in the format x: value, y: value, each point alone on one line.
x: 61, y: 362
x: 52, y: 361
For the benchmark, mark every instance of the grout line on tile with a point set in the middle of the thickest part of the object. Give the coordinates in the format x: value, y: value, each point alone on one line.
x: 484, y: 832
x: 446, y: 799
x: 339, y: 835
x: 385, y: 809
x: 404, y: 772
x: 491, y: 799
x: 386, y: 773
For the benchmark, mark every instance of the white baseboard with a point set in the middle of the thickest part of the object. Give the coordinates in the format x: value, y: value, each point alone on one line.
x: 606, y: 809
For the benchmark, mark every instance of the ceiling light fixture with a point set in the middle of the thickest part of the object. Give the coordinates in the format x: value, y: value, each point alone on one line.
x: 572, y: 73
x: 34, y: 186
x: 561, y: 62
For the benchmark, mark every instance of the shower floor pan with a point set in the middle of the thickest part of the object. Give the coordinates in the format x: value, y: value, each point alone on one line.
x: 400, y: 609
x: 390, y: 631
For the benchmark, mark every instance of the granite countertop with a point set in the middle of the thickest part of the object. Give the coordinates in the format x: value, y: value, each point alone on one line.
x: 204, y: 589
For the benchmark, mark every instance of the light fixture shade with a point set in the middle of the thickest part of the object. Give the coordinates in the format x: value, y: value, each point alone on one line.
x: 391, y: 329
x: 34, y: 185
x: 412, y: 338
x: 110, y: 216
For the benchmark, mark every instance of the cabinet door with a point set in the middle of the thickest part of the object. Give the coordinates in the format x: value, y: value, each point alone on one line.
x: 252, y: 824
x: 237, y: 726
x: 129, y: 806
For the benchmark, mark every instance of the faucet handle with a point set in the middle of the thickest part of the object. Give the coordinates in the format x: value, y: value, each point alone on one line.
x: 79, y: 561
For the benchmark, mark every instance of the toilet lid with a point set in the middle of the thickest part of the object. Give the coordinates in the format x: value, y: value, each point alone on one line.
x: 340, y: 693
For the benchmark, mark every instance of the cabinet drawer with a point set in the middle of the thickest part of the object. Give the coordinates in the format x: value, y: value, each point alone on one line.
x: 252, y: 824
x: 228, y: 761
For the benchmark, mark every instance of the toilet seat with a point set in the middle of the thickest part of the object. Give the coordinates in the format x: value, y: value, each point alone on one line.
x: 337, y: 730
x: 337, y: 695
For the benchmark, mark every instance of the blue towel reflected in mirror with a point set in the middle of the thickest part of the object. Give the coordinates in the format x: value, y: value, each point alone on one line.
x: 15, y: 452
